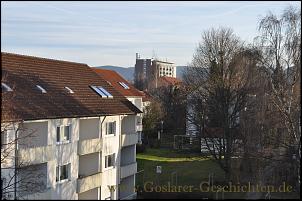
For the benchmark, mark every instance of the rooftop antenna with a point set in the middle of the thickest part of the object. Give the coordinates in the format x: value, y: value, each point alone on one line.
x: 154, y: 56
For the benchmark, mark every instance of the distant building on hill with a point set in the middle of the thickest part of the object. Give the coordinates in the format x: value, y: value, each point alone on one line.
x: 148, y: 72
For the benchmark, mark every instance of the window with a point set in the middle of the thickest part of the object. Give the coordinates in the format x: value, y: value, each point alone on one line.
x: 124, y: 85
x: 110, y: 128
x: 41, y: 88
x: 109, y: 160
x: 69, y: 90
x: 102, y: 92
x: 5, y: 87
x: 63, y: 172
x: 63, y: 133
x: 3, y: 139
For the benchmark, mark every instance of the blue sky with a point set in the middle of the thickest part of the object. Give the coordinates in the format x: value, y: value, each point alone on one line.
x: 110, y: 33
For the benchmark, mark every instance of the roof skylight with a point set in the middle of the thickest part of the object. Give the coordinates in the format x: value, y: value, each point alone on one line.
x: 124, y: 85
x: 5, y: 87
x: 69, y: 90
x: 41, y: 88
x: 102, y: 92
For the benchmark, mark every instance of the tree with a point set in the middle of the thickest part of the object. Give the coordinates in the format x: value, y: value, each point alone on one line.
x: 173, y: 102
x: 18, y: 176
x: 152, y: 115
x: 280, y: 46
x: 220, y: 79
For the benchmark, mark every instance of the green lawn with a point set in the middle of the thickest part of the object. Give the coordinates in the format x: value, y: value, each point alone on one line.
x: 191, y: 169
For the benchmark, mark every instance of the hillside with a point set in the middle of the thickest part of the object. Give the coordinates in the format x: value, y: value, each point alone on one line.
x: 128, y: 72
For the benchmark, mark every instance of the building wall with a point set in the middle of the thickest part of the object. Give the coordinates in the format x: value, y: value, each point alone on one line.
x: 67, y: 153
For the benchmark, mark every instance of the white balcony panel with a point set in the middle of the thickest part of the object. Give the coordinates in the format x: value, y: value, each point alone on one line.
x: 35, y: 155
x: 129, y: 139
x: 128, y: 170
x: 89, y: 182
x: 89, y: 146
x: 139, y: 127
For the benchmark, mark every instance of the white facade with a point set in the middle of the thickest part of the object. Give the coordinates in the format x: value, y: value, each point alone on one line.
x: 166, y: 69
x: 137, y: 101
x: 86, y: 163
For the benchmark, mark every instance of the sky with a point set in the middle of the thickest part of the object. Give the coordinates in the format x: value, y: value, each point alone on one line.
x: 112, y: 32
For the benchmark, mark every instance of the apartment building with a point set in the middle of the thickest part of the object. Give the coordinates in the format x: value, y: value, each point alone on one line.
x: 73, y: 132
x: 134, y: 96
x: 149, y: 71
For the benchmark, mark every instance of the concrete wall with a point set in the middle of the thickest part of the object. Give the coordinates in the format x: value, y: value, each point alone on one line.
x: 137, y: 101
x: 111, y: 145
x: 65, y: 154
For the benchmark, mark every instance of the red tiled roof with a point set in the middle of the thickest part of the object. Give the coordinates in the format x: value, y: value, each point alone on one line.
x: 26, y: 102
x: 166, y: 81
x: 146, y: 96
x: 114, y: 78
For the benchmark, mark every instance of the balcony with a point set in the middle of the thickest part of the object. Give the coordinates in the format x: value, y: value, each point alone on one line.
x: 129, y: 139
x: 128, y: 170
x: 36, y: 155
x: 89, y: 146
x: 139, y: 127
x: 89, y: 182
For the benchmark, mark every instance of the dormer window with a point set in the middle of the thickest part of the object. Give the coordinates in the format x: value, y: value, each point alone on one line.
x: 102, y: 92
x: 5, y: 87
x: 69, y: 90
x: 41, y: 88
x: 124, y: 85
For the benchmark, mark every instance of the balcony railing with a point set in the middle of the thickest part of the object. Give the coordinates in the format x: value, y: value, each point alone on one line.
x: 35, y: 155
x: 128, y: 170
x: 89, y: 182
x: 89, y: 146
x: 129, y: 139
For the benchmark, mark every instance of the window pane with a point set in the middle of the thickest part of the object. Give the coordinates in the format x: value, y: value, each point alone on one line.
x: 99, y: 91
x: 64, y: 172
x: 109, y: 161
x: 111, y: 127
x: 105, y: 91
x: 57, y: 173
x: 106, y: 161
x: 58, y: 134
x: 66, y: 132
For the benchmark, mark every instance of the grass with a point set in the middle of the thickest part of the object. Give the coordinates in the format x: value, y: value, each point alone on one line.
x: 191, y: 169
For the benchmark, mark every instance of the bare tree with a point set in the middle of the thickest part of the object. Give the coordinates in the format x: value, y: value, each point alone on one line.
x: 18, y: 177
x: 219, y: 79
x: 280, y: 46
